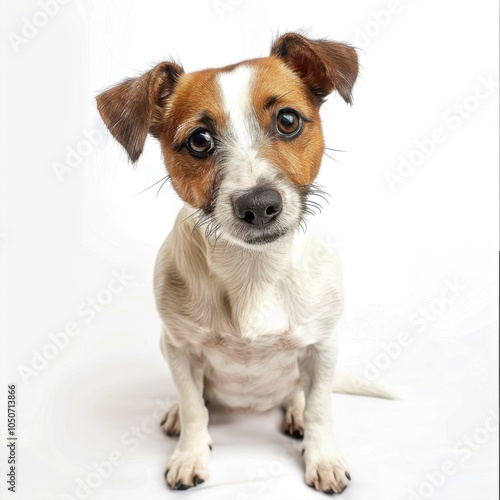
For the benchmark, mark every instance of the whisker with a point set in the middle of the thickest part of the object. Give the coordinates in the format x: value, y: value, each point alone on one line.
x: 157, y: 182
x: 196, y: 213
x: 309, y: 211
x: 316, y: 190
x: 336, y: 150
x: 314, y: 204
x: 163, y: 183
x: 332, y: 158
x: 188, y: 217
x: 311, y: 207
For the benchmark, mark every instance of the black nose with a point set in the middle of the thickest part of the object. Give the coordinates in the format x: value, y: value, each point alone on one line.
x: 258, y: 206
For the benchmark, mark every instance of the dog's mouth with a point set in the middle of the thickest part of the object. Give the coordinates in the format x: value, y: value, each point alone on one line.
x: 266, y: 237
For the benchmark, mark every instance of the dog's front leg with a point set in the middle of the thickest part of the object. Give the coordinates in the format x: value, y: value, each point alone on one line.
x: 325, y: 468
x: 187, y: 465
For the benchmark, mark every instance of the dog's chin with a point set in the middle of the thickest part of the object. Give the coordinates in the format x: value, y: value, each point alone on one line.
x: 259, y: 240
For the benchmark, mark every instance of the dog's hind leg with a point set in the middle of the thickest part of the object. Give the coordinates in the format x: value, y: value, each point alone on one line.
x: 293, y: 414
x: 171, y: 423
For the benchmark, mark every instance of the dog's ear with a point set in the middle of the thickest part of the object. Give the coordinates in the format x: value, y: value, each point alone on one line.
x: 323, y: 65
x: 132, y: 108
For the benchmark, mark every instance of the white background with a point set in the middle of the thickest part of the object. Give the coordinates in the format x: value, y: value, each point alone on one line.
x: 65, y: 232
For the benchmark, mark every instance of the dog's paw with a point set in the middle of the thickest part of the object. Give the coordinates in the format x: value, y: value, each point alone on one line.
x: 187, y: 469
x: 293, y: 422
x: 326, y: 473
x: 171, y: 423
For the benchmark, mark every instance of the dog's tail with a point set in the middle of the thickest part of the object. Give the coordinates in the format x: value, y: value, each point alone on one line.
x: 346, y: 383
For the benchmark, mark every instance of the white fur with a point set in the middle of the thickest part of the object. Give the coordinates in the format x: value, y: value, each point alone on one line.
x: 236, y: 99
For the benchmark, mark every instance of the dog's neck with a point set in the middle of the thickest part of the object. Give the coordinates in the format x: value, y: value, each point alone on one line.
x: 251, y: 280
x: 240, y: 267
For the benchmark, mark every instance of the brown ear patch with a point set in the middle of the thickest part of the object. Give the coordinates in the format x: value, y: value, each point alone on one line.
x: 130, y: 109
x: 323, y: 65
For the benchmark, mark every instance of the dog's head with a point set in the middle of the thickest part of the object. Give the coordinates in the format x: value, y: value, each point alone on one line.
x: 241, y: 143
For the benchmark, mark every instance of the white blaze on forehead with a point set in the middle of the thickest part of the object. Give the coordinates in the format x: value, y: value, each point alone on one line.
x: 236, y: 88
x: 246, y: 165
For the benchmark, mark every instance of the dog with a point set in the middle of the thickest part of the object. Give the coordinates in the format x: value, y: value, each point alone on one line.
x: 249, y: 304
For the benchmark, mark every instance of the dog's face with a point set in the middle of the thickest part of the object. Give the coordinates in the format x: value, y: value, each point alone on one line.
x: 242, y: 143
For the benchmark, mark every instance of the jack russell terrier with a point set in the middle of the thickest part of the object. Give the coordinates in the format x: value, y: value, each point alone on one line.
x: 249, y: 306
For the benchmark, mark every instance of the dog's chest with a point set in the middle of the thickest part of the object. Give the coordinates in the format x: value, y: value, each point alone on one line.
x: 251, y: 373
x: 258, y: 330
x: 245, y: 350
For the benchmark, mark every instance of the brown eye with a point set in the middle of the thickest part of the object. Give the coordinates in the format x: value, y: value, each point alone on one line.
x: 288, y: 123
x: 200, y: 143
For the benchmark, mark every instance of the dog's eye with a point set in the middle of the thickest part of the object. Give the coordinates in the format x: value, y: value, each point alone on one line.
x: 288, y: 123
x: 200, y: 143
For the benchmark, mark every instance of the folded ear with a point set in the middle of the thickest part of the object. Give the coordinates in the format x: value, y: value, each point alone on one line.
x: 323, y: 65
x: 131, y: 109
